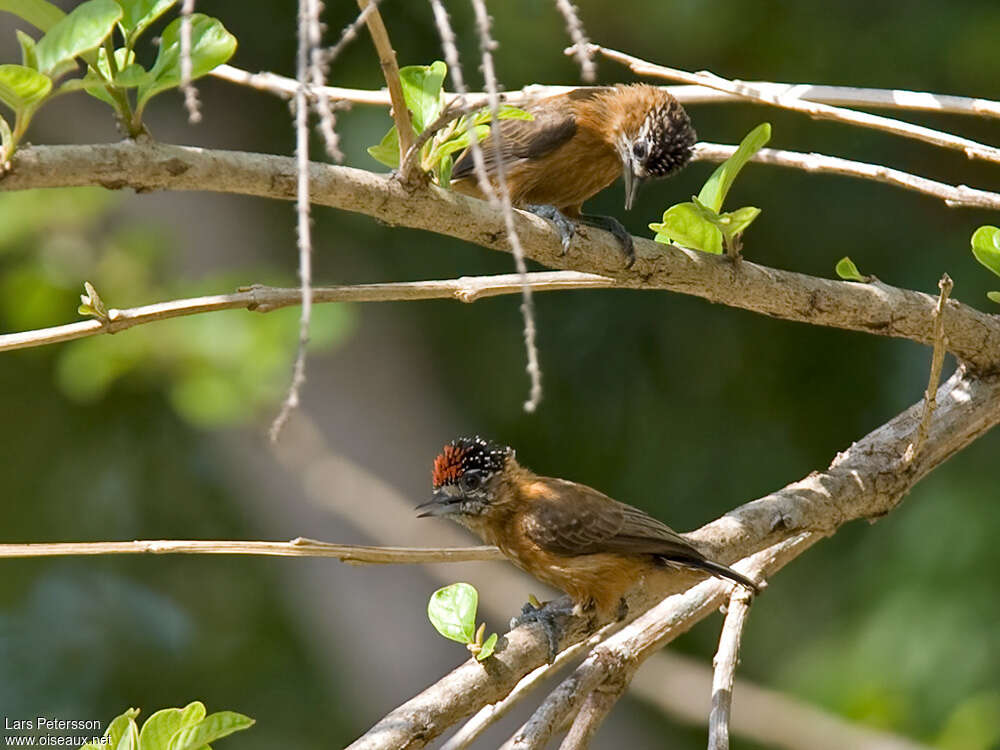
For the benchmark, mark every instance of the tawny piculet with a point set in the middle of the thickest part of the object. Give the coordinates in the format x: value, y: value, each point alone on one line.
x: 579, y: 143
x: 563, y: 533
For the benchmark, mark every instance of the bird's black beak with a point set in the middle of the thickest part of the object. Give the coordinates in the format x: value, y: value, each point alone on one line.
x: 441, y: 504
x: 632, y: 182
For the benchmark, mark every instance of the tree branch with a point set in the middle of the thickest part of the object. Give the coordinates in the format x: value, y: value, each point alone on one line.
x: 865, y: 481
x: 726, y: 660
x: 300, y: 547
x: 972, y: 149
x: 954, y: 196
x: 847, y: 96
x: 390, y: 69
x: 264, y: 299
x: 878, y: 308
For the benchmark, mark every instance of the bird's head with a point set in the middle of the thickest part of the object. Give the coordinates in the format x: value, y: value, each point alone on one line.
x: 655, y: 144
x: 466, y: 478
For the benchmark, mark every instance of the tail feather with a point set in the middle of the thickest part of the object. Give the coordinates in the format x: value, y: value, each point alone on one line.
x: 718, y: 569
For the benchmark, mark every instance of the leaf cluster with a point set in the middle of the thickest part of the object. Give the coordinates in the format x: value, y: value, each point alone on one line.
x: 423, y: 90
x: 111, y: 72
x: 185, y: 728
x: 700, y: 224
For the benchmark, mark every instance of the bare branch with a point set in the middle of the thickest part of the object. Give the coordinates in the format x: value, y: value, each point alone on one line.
x: 863, y: 481
x: 847, y: 96
x: 581, y: 49
x: 592, y: 714
x: 486, y: 45
x: 972, y: 149
x: 725, y: 663
x: 937, y: 362
x: 390, y: 70
x: 299, y: 547
x: 265, y: 299
x: 190, y: 92
x: 309, y: 35
x: 877, y: 308
x: 952, y: 195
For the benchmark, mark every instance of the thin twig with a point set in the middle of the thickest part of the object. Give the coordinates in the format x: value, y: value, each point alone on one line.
x: 348, y: 35
x: 725, y: 663
x: 581, y: 50
x: 309, y: 35
x: 848, y: 96
x: 190, y: 92
x: 390, y: 69
x: 954, y: 196
x: 972, y: 149
x: 259, y: 298
x: 299, y: 547
x: 319, y: 65
x: 937, y: 362
x: 451, y: 111
x: 486, y: 44
x: 593, y: 712
x: 447, y: 35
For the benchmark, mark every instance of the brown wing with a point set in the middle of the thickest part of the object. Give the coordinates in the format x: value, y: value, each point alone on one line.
x: 522, y: 139
x: 572, y: 519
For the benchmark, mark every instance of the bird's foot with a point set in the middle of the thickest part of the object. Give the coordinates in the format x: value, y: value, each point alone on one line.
x: 611, y: 224
x: 550, y: 616
x: 564, y: 225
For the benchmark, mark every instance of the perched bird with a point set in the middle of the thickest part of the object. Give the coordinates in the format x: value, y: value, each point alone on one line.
x: 579, y: 143
x: 563, y: 533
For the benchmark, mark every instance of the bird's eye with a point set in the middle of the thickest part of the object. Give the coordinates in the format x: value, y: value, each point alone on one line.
x: 640, y: 149
x: 471, y: 481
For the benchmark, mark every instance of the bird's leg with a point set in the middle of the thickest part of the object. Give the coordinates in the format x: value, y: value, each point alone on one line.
x: 549, y: 616
x: 564, y: 225
x: 611, y: 224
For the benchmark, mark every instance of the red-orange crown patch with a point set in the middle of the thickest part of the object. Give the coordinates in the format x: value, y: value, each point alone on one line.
x: 448, y: 466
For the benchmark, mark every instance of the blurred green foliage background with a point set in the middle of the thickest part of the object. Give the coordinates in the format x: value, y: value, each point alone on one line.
x: 665, y: 401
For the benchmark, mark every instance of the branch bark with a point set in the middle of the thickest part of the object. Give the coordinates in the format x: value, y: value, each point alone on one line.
x: 878, y: 308
x: 300, y: 547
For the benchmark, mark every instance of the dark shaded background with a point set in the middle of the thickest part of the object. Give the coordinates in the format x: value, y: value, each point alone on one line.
x: 684, y: 408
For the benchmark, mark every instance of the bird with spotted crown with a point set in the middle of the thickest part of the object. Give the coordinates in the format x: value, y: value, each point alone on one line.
x: 563, y: 533
x: 579, y: 143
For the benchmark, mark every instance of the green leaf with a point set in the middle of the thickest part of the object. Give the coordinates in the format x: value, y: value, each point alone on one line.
x: 505, y: 112
x: 995, y: 296
x: 83, y: 30
x: 29, y: 58
x: 22, y: 89
x: 452, y: 145
x: 714, y: 191
x: 211, y: 46
x: 685, y: 225
x: 387, y: 151
x: 422, y: 89
x: 130, y: 737
x: 118, y: 727
x: 212, y: 727
x: 735, y: 222
x: 138, y: 14
x: 160, y: 728
x: 986, y: 247
x: 39, y: 13
x: 489, y: 646
x: 452, y: 611
x: 848, y: 271
x: 6, y: 140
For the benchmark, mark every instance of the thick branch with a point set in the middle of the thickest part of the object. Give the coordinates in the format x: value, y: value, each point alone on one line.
x: 874, y: 308
x: 865, y: 481
x: 300, y: 547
